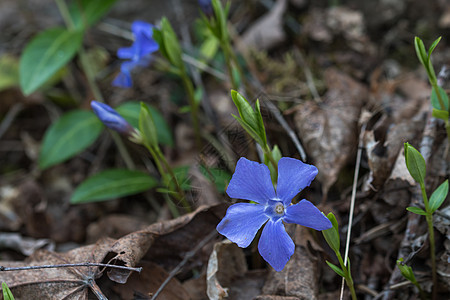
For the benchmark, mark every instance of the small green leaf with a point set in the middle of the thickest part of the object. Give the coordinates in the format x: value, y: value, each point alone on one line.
x: 47, y: 53
x: 420, y: 51
x: 111, y: 184
x: 209, y: 47
x: 415, y: 163
x: 7, y: 295
x: 416, y: 210
x: 85, y: 13
x: 252, y: 118
x: 130, y: 111
x: 406, y: 270
x: 9, y: 71
x: 332, y: 235
x: 336, y: 269
x: 147, y: 127
x: 435, y: 101
x: 438, y: 196
x: 68, y: 136
x: 430, y: 50
x: 171, y: 45
x: 440, y: 114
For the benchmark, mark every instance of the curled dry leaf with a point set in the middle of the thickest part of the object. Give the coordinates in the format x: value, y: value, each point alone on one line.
x: 329, y: 130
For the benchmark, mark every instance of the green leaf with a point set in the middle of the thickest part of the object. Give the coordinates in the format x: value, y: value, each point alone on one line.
x: 68, y: 136
x: 246, y: 111
x: 438, y: 196
x: 130, y: 112
x: 440, y: 114
x: 332, y: 235
x: 9, y: 71
x: 209, y: 47
x: 111, y: 184
x: 171, y: 45
x: 430, y: 50
x: 416, y: 210
x: 406, y: 270
x: 336, y: 269
x: 7, y: 295
x: 415, y: 163
x: 147, y: 127
x: 47, y: 53
x: 85, y: 13
x: 435, y: 101
x: 219, y: 177
x: 420, y: 51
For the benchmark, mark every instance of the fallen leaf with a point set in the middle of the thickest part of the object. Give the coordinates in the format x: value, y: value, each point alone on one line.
x: 329, y: 130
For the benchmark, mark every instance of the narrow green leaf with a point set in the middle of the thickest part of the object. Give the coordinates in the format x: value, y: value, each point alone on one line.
x: 246, y: 111
x: 171, y: 44
x: 85, y: 13
x: 47, y: 53
x: 209, y: 47
x: 130, y: 111
x: 332, y: 235
x: 336, y: 269
x: 415, y: 163
x: 7, y: 295
x: 111, y: 184
x: 416, y: 210
x: 420, y: 51
x: 68, y: 136
x: 147, y: 127
x: 438, y: 196
x: 435, y: 101
x: 406, y: 270
x: 430, y: 50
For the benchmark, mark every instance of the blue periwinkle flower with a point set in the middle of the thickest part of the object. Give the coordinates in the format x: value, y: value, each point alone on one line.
x: 138, y: 54
x: 251, y: 181
x: 206, y: 7
x: 111, y: 118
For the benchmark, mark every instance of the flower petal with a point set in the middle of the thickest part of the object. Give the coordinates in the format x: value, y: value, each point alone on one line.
x: 241, y: 223
x: 110, y: 117
x: 306, y: 214
x: 251, y: 181
x: 293, y: 176
x: 275, y: 245
x: 126, y: 52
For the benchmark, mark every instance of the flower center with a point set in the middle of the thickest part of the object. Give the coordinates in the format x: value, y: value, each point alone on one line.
x: 279, y: 209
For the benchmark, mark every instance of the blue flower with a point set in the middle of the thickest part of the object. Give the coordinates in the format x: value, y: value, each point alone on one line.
x: 138, y: 54
x: 251, y: 181
x: 206, y: 7
x: 111, y: 118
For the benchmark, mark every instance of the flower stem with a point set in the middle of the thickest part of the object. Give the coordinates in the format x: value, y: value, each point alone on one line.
x: 429, y: 218
x: 348, y: 276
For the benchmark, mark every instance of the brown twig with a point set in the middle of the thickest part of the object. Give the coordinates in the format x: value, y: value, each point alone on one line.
x: 87, y: 264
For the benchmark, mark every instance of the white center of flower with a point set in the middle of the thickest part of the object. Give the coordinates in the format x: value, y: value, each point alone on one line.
x: 279, y: 208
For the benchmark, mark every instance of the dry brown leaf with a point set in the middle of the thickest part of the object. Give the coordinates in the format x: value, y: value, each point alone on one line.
x: 329, y: 131
x: 266, y: 32
x: 299, y: 278
x: 147, y: 283
x: 57, y: 283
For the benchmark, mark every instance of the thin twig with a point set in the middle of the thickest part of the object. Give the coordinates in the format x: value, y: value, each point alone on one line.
x: 9, y: 118
x: 87, y: 264
x: 186, y: 258
x: 352, y: 201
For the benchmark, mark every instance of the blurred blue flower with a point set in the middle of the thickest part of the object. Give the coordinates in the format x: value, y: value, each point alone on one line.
x: 138, y: 54
x: 251, y: 181
x: 206, y: 7
x: 111, y: 118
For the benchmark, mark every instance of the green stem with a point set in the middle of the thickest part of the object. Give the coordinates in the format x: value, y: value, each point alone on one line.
x: 65, y: 13
x: 348, y: 276
x: 269, y: 155
x: 189, y: 87
x: 429, y: 218
x: 438, y: 93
